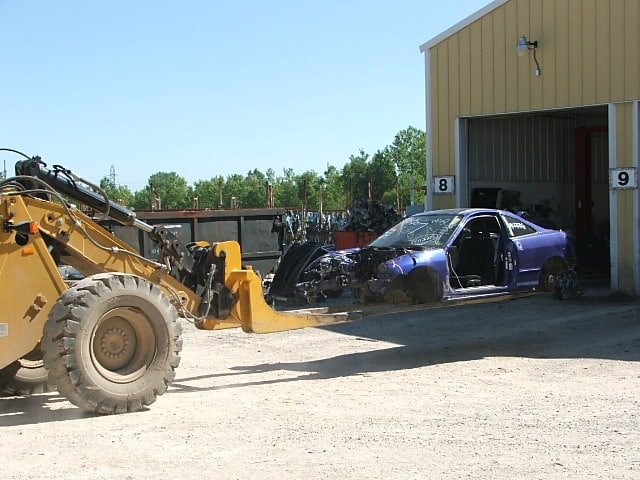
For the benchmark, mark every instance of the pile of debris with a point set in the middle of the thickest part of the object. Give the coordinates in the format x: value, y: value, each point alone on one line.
x: 371, y: 216
x: 366, y: 219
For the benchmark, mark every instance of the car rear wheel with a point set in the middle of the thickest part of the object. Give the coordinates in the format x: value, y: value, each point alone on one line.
x: 549, y: 274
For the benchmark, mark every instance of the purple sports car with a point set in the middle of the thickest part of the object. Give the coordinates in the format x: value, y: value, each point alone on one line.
x: 442, y: 255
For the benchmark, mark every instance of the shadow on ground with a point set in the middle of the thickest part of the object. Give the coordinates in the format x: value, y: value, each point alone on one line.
x: 594, y: 325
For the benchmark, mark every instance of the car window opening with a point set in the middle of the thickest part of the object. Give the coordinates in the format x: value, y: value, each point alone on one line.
x: 475, y: 258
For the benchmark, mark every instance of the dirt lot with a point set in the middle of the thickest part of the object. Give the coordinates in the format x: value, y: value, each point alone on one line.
x: 527, y: 388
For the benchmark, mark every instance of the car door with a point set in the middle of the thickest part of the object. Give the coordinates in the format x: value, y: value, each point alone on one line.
x: 476, y: 256
x: 528, y: 256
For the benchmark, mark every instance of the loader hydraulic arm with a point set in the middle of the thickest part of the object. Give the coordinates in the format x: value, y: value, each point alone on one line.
x: 67, y: 183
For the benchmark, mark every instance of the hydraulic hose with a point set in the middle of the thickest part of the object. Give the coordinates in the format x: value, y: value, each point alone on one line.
x: 62, y: 180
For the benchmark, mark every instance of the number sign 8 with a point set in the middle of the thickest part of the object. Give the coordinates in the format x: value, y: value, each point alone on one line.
x: 444, y: 184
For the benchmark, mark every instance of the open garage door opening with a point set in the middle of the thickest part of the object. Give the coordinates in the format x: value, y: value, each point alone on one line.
x: 553, y: 165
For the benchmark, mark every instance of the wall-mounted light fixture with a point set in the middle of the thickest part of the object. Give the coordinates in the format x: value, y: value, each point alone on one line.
x: 523, y: 46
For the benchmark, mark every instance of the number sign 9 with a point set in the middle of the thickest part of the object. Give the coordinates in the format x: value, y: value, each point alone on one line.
x: 445, y: 184
x: 623, y: 178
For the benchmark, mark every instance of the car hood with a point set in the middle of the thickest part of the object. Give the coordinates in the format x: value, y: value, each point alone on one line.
x: 406, y: 260
x: 366, y: 260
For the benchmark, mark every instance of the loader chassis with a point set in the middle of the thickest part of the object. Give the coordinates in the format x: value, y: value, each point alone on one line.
x: 111, y: 342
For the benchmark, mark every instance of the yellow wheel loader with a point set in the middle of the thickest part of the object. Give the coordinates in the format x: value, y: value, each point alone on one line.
x: 110, y: 342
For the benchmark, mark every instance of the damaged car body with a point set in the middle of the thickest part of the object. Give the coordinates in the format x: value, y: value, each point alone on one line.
x: 441, y: 255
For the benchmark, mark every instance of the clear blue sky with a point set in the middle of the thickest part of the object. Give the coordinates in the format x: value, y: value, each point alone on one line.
x: 206, y: 88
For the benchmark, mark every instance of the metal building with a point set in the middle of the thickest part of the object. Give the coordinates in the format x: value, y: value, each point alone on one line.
x: 537, y: 102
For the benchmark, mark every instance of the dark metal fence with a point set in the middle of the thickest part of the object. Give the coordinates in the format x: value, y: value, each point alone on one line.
x: 251, y: 228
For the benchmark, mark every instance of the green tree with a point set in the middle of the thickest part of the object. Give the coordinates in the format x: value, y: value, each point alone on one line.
x: 382, y: 173
x: 408, y: 152
x: 255, y: 193
x: 165, y: 190
x: 234, y: 188
x: 333, y: 195
x: 309, y: 189
x: 286, y: 190
x: 117, y: 193
x: 355, y: 177
x: 142, y: 199
x: 208, y: 192
x: 388, y: 174
x: 271, y: 176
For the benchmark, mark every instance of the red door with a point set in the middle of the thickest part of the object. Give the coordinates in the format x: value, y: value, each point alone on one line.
x: 583, y: 182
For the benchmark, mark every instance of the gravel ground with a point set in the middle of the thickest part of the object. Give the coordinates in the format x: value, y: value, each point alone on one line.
x: 526, y: 388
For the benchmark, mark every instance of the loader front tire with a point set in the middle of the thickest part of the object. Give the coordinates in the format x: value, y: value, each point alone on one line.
x: 112, y: 343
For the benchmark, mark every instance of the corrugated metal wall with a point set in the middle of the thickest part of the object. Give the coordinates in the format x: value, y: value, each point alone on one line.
x: 533, y: 148
x: 520, y: 149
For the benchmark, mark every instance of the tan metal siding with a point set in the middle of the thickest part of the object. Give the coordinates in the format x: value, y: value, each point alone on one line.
x: 617, y: 48
x: 475, y: 39
x: 464, y: 45
x: 589, y: 50
x: 500, y: 48
x: 624, y: 199
x: 575, y: 76
x: 535, y: 27
x: 487, y: 53
x: 444, y: 141
x: 511, y: 68
x: 557, y: 86
x: 632, y: 49
x: 455, y: 74
x: 524, y: 77
x: 588, y: 53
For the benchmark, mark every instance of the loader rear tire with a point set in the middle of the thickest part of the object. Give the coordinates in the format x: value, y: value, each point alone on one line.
x: 26, y: 376
x: 112, y: 343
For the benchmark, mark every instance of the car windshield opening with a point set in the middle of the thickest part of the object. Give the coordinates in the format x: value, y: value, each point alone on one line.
x: 419, y: 231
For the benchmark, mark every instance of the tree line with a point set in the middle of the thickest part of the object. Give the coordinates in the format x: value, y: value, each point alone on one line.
x: 391, y: 175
